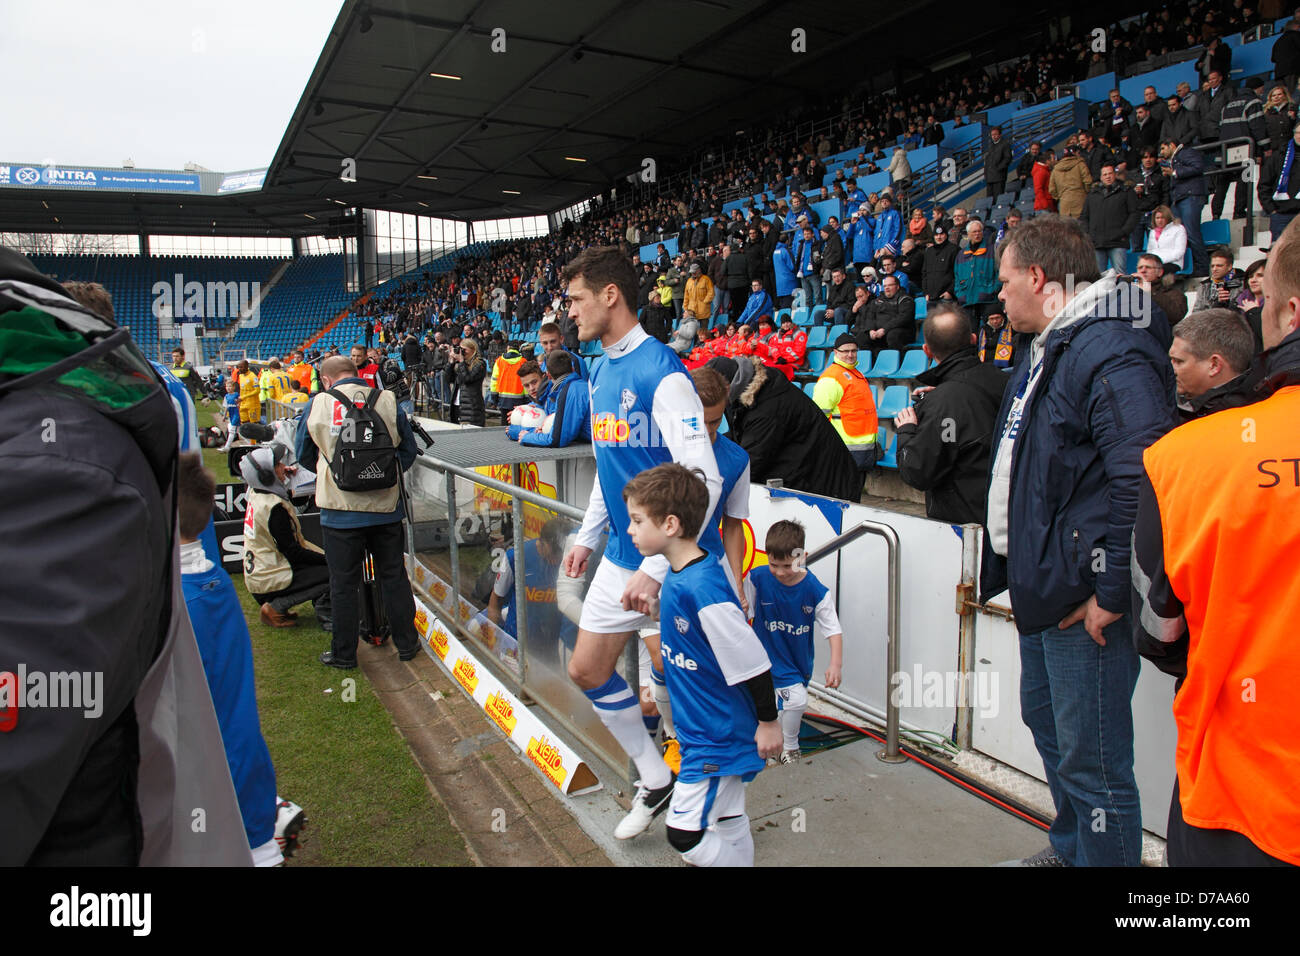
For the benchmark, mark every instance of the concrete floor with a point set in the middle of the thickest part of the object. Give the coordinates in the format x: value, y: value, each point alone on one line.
x: 842, y: 807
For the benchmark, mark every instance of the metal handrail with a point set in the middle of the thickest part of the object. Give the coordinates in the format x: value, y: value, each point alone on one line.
x: 891, y: 752
x: 532, y: 497
x: 1223, y: 168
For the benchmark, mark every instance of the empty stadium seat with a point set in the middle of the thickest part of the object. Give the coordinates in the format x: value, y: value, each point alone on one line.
x: 817, y: 337
x: 808, y: 388
x: 817, y: 361
x: 889, y: 442
x: 922, y: 308
x: 835, y: 332
x: 886, y: 364
x: 893, y: 400
x: 1217, y: 232
x: 800, y: 315
x: 913, y: 364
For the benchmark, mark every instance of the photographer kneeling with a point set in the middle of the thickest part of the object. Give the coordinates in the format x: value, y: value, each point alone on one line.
x: 281, y: 567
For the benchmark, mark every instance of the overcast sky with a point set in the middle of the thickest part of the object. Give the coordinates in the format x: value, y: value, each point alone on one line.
x: 164, y: 82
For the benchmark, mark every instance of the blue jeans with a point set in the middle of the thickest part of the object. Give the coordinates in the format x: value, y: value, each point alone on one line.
x: 1112, y: 258
x: 721, y: 302
x: 1075, y: 698
x: 1277, y: 222
x: 1188, y: 210
x: 811, y: 286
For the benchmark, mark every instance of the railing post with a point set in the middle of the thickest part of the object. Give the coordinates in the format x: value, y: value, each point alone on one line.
x: 454, y: 545
x: 520, y: 623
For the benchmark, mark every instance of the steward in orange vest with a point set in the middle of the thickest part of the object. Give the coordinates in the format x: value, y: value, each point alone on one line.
x: 843, y: 394
x: 1215, y: 597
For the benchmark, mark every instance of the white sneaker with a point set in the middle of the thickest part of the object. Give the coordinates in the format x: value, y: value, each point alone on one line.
x: 790, y: 756
x: 289, y: 822
x: 646, y: 805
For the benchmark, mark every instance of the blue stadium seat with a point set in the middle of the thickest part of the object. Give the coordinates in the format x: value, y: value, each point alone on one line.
x: 800, y: 315
x: 1131, y: 262
x: 817, y: 361
x: 886, y: 364
x: 1217, y: 232
x: 808, y: 388
x: 817, y: 337
x: 922, y: 307
x: 913, y: 364
x: 889, y: 442
x: 835, y: 332
x: 893, y: 400
x: 781, y: 313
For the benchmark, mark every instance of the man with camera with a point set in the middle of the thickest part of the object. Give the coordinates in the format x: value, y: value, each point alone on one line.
x: 1224, y: 283
x: 353, y: 426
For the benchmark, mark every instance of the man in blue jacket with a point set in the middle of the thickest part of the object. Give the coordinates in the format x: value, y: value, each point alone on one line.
x: 567, y: 400
x: 783, y: 269
x: 1085, y: 400
x: 1187, y: 194
x: 861, y: 248
x: 888, y: 228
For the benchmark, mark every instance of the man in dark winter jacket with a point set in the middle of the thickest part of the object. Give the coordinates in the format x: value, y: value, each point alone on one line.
x: 1279, y: 194
x: 1212, y: 353
x: 1242, y: 118
x: 1187, y: 191
x: 937, y: 271
x: 1286, y: 55
x: 891, y: 320
x: 1179, y: 123
x: 997, y: 159
x: 1094, y: 389
x: 785, y: 434
x: 944, y: 439
x: 839, y: 299
x: 1110, y: 214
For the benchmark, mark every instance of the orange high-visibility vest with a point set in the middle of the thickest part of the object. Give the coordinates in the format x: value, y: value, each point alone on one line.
x: 505, y: 376
x: 855, y: 416
x: 1228, y: 488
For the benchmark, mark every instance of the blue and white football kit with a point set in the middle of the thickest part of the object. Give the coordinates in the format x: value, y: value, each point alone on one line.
x: 644, y: 412
x: 733, y: 464
x: 709, y: 652
x: 786, y: 618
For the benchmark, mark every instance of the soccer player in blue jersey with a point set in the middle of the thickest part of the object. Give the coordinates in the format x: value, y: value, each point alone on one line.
x: 644, y: 412
x: 789, y: 605
x: 718, y: 675
x: 723, y: 535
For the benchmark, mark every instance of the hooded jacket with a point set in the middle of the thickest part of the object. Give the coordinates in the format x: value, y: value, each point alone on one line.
x: 787, y: 436
x: 946, y: 453
x: 1069, y: 184
x: 117, y: 790
x: 1104, y: 393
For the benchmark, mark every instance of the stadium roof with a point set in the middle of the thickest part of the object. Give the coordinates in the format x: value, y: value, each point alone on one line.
x: 608, y: 82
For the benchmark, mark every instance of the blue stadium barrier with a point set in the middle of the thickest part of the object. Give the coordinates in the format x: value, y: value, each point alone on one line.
x: 1097, y: 89
x: 1165, y: 80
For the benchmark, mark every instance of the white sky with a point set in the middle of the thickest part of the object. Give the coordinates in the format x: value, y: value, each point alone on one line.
x: 92, y: 82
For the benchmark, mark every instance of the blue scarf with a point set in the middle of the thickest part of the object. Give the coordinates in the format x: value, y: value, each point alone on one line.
x: 1284, y: 180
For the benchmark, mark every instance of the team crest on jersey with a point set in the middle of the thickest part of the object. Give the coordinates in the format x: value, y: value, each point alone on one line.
x: 627, y: 399
x: 807, y: 609
x: 784, y: 693
x: 683, y: 625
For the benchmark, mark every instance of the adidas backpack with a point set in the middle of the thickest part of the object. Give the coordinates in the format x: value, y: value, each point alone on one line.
x: 365, y: 458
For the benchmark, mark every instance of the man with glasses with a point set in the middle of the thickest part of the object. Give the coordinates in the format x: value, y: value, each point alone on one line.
x: 843, y: 394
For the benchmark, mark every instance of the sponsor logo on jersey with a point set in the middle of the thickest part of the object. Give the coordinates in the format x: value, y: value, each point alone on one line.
x: 540, y: 595
x: 692, y: 424
x: 501, y: 711
x: 683, y: 625
x: 464, y: 672
x: 548, y: 759
x: 807, y: 609
x: 605, y: 427
x: 678, y: 659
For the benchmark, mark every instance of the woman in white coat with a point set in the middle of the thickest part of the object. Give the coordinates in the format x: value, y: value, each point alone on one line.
x: 1167, y: 237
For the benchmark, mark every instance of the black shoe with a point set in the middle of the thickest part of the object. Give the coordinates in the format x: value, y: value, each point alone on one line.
x: 409, y: 655
x: 329, y: 660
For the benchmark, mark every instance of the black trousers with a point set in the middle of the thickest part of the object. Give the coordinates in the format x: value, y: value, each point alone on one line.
x: 1196, y: 846
x: 345, y: 550
x: 309, y: 583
